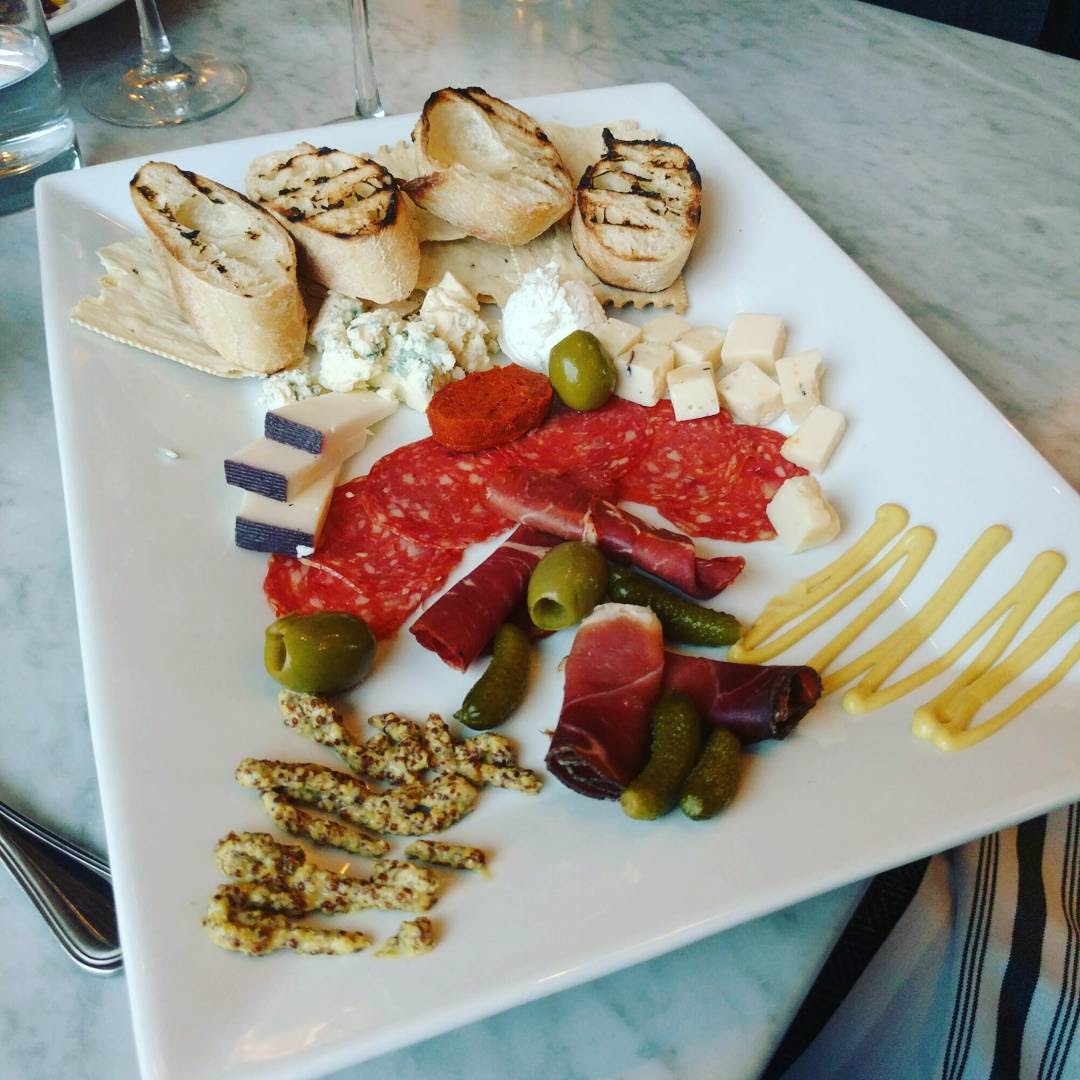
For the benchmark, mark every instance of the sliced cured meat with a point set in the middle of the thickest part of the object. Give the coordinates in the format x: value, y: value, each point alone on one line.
x: 613, y: 676
x: 436, y: 496
x: 710, y: 477
x: 675, y: 448
x: 362, y: 566
x: 460, y: 625
x: 549, y: 503
x: 592, y: 448
x: 555, y: 505
x: 754, y: 701
x: 488, y: 408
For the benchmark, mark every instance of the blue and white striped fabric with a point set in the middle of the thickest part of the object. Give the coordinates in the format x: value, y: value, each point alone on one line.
x: 980, y: 978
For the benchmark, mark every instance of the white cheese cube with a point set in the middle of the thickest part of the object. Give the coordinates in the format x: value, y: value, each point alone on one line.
x: 617, y: 336
x: 664, y: 329
x: 750, y: 395
x: 816, y: 439
x: 700, y: 346
x: 800, y: 383
x: 693, y: 392
x: 641, y: 374
x: 264, y: 524
x: 760, y: 338
x: 801, y: 515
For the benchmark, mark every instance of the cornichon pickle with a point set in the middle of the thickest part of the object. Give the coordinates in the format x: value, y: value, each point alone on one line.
x: 581, y: 372
x: 712, y: 783
x: 568, y: 582
x: 675, y: 745
x: 682, y: 620
x: 498, y: 692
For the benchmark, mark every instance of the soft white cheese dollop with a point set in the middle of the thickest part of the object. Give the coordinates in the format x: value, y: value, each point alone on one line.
x: 541, y: 312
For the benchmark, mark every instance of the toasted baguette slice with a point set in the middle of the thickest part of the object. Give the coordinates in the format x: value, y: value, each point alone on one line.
x: 231, y: 266
x: 347, y: 217
x: 636, y: 213
x: 490, y: 170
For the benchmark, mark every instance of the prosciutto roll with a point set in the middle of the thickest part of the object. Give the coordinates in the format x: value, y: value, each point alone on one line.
x: 613, y: 676
x: 461, y: 624
x: 754, y: 701
x: 555, y: 505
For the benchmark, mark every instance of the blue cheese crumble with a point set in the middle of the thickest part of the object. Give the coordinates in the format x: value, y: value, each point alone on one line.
x: 404, y: 358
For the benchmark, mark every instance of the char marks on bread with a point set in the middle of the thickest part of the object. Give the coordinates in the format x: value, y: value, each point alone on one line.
x: 488, y: 167
x: 348, y: 219
x: 636, y: 213
x: 231, y: 265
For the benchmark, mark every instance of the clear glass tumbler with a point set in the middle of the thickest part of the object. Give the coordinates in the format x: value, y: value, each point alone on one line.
x: 36, y: 134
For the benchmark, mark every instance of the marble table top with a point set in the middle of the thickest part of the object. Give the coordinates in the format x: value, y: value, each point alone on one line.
x: 936, y: 158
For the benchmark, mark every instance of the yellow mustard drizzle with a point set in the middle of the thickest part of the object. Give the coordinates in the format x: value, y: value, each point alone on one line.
x: 946, y: 720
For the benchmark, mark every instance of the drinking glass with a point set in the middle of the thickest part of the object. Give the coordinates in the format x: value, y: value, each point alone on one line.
x: 162, y: 88
x: 36, y: 134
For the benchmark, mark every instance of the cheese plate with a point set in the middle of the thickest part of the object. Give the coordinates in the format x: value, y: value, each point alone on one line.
x: 171, y: 616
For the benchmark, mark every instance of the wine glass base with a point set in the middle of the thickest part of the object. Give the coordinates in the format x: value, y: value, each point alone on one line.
x: 173, y: 91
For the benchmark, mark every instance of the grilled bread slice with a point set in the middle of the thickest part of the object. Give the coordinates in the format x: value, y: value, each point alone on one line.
x: 489, y: 169
x: 636, y: 213
x: 348, y: 219
x: 231, y: 266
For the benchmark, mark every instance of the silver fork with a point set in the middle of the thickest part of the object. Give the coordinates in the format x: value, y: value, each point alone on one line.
x: 70, y: 886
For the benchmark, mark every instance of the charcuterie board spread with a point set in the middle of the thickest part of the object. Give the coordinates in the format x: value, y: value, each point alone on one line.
x: 463, y: 274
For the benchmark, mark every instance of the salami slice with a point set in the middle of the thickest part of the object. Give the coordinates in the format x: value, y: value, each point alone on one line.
x: 362, y: 566
x: 710, y: 477
x: 591, y: 448
x: 435, y: 496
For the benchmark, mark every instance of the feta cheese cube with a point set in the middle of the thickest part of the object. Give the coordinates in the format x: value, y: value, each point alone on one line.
x: 693, y: 392
x: 801, y: 515
x: 750, y: 395
x: 641, y: 374
x: 700, y: 346
x: 760, y: 338
x: 617, y: 336
x: 664, y: 329
x: 817, y: 437
x: 800, y: 383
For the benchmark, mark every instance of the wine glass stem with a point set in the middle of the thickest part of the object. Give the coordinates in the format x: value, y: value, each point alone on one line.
x: 367, y: 89
x: 156, y: 49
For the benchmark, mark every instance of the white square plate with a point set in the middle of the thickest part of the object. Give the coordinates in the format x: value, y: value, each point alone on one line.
x: 171, y: 618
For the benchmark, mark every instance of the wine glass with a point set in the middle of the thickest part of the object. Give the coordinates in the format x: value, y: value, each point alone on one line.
x: 367, y: 89
x: 162, y: 88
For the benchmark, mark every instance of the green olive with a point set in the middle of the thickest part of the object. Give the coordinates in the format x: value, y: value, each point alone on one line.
x: 323, y: 653
x: 568, y: 582
x: 581, y: 372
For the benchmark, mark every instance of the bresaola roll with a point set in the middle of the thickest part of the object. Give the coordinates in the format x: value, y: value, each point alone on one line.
x: 754, y: 701
x: 461, y: 624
